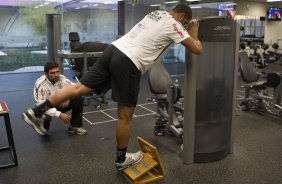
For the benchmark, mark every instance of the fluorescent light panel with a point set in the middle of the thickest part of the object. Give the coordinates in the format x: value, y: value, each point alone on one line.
x: 273, y: 0
x: 195, y: 7
x: 192, y: 0
x: 155, y: 5
x: 171, y: 2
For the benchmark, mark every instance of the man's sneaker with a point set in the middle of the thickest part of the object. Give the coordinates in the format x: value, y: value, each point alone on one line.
x: 36, y: 123
x: 131, y: 158
x: 77, y: 130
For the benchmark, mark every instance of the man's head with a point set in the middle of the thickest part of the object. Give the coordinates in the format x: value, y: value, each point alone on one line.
x: 52, y: 72
x: 182, y: 13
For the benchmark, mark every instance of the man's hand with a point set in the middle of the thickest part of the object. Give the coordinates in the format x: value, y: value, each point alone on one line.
x: 193, y: 43
x: 65, y: 117
x: 65, y: 104
x: 193, y: 29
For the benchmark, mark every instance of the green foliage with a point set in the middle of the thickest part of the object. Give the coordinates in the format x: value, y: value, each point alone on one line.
x: 36, y: 17
x: 18, y: 58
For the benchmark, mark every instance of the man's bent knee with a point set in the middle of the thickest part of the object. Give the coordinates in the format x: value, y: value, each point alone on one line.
x: 80, y: 89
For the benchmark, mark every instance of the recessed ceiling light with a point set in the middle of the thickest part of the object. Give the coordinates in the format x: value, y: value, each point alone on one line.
x: 273, y: 0
x: 192, y: 0
x: 171, y: 2
x: 155, y: 5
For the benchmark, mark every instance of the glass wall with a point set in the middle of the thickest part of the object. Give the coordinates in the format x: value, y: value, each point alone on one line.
x: 136, y: 10
x: 253, y: 26
x: 23, y: 41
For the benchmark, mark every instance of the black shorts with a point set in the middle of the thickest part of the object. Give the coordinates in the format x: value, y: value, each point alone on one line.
x: 114, y: 70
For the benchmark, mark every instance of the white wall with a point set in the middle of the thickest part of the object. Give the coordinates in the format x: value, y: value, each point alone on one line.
x: 245, y: 7
x: 273, y: 33
x: 272, y: 29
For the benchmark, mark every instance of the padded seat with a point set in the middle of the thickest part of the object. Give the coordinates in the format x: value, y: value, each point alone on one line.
x: 159, y: 80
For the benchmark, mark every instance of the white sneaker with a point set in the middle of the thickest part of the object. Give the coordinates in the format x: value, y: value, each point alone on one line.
x: 131, y: 159
x: 77, y: 130
x: 36, y: 123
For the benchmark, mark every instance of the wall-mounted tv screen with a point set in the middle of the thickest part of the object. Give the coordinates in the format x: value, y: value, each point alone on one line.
x: 274, y: 14
x: 226, y: 9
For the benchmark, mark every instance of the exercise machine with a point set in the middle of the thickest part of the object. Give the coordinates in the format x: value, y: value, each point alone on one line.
x: 210, y: 92
x: 257, y: 96
x: 210, y: 80
x: 81, y: 57
x: 169, y: 115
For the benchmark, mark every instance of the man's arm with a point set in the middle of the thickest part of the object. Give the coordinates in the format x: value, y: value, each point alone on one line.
x: 40, y: 97
x: 193, y: 43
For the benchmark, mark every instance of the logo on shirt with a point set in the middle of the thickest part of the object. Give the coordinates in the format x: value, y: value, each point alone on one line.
x: 176, y: 30
x: 42, y: 94
x: 141, y: 26
x: 155, y: 16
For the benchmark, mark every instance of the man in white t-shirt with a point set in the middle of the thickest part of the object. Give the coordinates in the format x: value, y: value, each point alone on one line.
x: 121, y: 66
x: 51, y: 83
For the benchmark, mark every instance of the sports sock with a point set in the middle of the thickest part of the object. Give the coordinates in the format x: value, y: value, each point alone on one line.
x: 121, y: 152
x: 40, y: 109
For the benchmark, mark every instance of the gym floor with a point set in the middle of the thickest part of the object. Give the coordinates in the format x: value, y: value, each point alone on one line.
x: 66, y: 158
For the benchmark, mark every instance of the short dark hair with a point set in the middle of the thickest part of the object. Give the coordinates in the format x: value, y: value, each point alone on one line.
x: 183, y: 8
x: 49, y: 66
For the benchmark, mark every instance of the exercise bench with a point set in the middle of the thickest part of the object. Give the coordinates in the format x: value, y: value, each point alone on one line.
x: 4, y: 111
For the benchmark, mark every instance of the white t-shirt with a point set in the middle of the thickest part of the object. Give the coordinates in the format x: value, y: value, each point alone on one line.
x: 43, y: 89
x: 149, y: 38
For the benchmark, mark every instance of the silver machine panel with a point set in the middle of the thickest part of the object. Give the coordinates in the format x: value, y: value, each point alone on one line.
x: 210, y: 92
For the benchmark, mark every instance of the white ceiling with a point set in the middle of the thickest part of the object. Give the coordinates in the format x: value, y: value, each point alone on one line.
x: 142, y: 2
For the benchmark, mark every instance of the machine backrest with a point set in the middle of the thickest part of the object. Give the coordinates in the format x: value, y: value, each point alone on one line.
x: 77, y: 46
x: 92, y: 47
x: 246, y: 68
x: 74, y: 41
x: 159, y: 78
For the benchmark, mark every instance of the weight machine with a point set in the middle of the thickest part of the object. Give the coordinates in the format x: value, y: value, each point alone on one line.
x: 257, y: 96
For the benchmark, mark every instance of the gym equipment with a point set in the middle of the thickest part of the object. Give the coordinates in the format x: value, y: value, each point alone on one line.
x: 68, y: 56
x: 275, y: 55
x: 53, y: 26
x: 270, y: 56
x: 169, y: 116
x: 256, y: 95
x: 149, y: 169
x: 4, y: 111
x: 81, y: 57
x: 256, y: 56
x: 210, y: 92
x: 77, y: 46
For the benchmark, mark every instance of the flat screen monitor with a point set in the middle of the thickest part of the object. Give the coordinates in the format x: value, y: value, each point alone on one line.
x: 226, y: 9
x: 274, y: 14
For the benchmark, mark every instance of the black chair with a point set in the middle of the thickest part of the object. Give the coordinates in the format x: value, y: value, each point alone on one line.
x: 78, y: 64
x: 77, y: 46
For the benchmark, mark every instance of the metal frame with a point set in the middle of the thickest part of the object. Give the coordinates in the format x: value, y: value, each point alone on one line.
x: 11, y: 146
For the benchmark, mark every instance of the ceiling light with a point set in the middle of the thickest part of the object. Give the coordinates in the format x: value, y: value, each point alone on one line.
x: 273, y: 0
x: 109, y: 2
x: 155, y: 5
x: 171, y: 2
x: 194, y: 7
x: 230, y: 4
